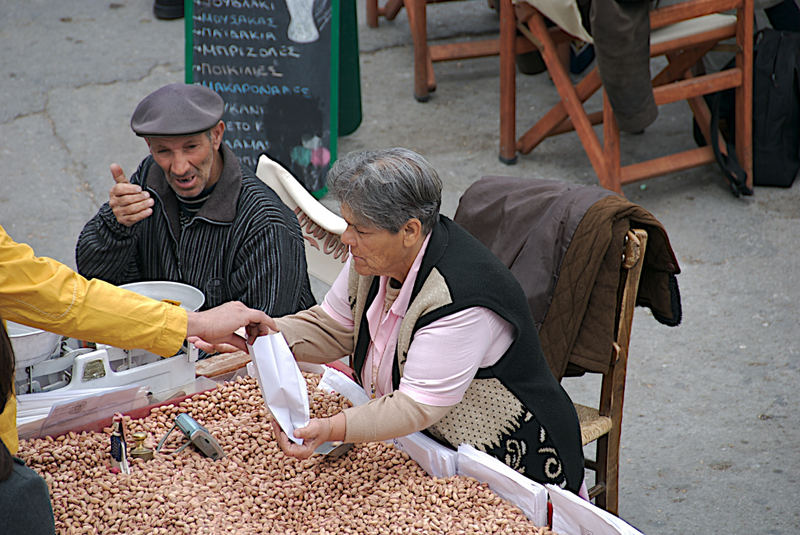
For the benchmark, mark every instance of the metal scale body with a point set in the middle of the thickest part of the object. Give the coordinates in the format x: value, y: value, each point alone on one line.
x: 108, y: 366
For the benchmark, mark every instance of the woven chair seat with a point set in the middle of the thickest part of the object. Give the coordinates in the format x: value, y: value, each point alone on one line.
x: 593, y: 426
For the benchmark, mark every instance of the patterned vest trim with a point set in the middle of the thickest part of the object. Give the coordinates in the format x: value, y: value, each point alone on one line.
x: 514, y: 428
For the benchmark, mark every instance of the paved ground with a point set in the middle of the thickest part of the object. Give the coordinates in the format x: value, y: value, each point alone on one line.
x: 710, y: 436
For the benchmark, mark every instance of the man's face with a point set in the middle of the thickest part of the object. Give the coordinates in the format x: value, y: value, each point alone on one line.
x: 190, y: 163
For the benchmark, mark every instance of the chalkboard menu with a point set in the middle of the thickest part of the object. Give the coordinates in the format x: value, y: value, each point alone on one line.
x: 275, y: 64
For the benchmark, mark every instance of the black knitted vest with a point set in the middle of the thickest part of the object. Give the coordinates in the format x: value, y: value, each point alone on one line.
x: 514, y: 410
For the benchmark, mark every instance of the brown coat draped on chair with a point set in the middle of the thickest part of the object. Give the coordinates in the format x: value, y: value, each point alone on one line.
x: 564, y: 243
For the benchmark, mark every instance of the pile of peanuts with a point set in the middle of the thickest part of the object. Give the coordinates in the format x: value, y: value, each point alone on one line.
x: 255, y: 488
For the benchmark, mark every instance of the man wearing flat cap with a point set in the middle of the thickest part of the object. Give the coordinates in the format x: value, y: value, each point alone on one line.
x: 192, y: 214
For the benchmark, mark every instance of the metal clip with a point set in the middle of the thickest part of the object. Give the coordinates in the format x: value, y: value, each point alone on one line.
x: 196, y: 435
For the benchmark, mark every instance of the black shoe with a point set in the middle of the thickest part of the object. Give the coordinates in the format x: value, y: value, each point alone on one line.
x: 168, y: 9
x: 531, y: 62
x: 580, y: 57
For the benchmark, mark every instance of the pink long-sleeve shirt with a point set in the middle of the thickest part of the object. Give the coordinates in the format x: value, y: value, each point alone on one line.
x: 443, y: 357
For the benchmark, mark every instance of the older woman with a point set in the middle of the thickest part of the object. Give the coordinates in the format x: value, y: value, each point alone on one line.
x: 440, y: 332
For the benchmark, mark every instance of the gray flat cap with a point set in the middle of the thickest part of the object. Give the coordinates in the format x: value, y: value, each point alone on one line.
x: 177, y: 110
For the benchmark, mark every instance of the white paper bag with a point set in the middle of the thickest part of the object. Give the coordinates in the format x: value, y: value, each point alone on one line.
x: 572, y: 515
x: 435, y: 459
x: 335, y: 381
x: 528, y: 495
x: 282, y: 385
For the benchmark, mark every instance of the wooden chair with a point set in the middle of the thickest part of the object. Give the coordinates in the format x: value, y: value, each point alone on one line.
x: 425, y: 54
x: 683, y: 33
x: 603, y: 424
x: 578, y: 253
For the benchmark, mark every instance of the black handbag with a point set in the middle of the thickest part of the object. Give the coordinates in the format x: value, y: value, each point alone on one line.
x: 776, y: 115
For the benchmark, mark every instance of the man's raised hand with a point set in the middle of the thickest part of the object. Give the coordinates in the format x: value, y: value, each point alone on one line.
x: 128, y: 202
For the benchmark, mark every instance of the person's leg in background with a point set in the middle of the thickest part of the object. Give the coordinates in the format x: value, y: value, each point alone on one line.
x: 784, y: 16
x: 621, y: 35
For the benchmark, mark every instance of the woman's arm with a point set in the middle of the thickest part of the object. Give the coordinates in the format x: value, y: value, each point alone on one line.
x: 322, y: 333
x: 399, y: 416
x: 314, y: 336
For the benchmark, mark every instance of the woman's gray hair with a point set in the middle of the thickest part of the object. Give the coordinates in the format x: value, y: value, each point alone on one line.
x: 388, y: 187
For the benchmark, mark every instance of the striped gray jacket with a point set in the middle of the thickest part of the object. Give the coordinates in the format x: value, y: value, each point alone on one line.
x: 244, y: 244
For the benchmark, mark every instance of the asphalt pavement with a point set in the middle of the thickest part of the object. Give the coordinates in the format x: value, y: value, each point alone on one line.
x: 710, y: 441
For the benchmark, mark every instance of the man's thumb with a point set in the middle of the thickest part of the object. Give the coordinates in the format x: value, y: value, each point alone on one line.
x: 118, y: 174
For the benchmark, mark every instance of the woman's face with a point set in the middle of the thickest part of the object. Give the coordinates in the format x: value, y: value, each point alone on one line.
x: 377, y: 251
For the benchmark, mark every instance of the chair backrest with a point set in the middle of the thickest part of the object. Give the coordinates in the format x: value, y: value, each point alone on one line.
x: 613, y: 386
x: 605, y: 490
x: 321, y: 228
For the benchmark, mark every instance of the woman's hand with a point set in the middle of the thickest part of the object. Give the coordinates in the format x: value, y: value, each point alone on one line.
x: 318, y: 431
x: 315, y: 433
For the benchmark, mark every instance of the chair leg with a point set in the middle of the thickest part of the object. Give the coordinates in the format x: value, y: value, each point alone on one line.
x: 423, y: 66
x: 611, y: 179
x: 557, y: 120
x: 508, y: 84
x: 390, y: 11
x: 372, y: 13
x: 569, y: 97
x: 680, y: 62
x: 600, y: 472
x: 743, y: 95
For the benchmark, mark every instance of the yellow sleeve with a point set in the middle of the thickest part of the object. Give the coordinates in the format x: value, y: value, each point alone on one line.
x: 8, y: 426
x: 46, y: 294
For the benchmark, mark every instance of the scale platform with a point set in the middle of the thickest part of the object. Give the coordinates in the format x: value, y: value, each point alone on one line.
x: 107, y: 366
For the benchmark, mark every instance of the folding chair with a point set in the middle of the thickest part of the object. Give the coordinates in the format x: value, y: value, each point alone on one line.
x: 683, y: 33
x: 426, y: 54
x: 321, y: 228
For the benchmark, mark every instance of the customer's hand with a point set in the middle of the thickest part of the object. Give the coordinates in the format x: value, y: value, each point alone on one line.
x: 128, y: 202
x: 214, y: 329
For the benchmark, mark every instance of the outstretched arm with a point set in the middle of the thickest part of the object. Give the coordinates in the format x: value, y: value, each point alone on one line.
x: 44, y: 293
x: 217, y: 326
x: 391, y: 416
